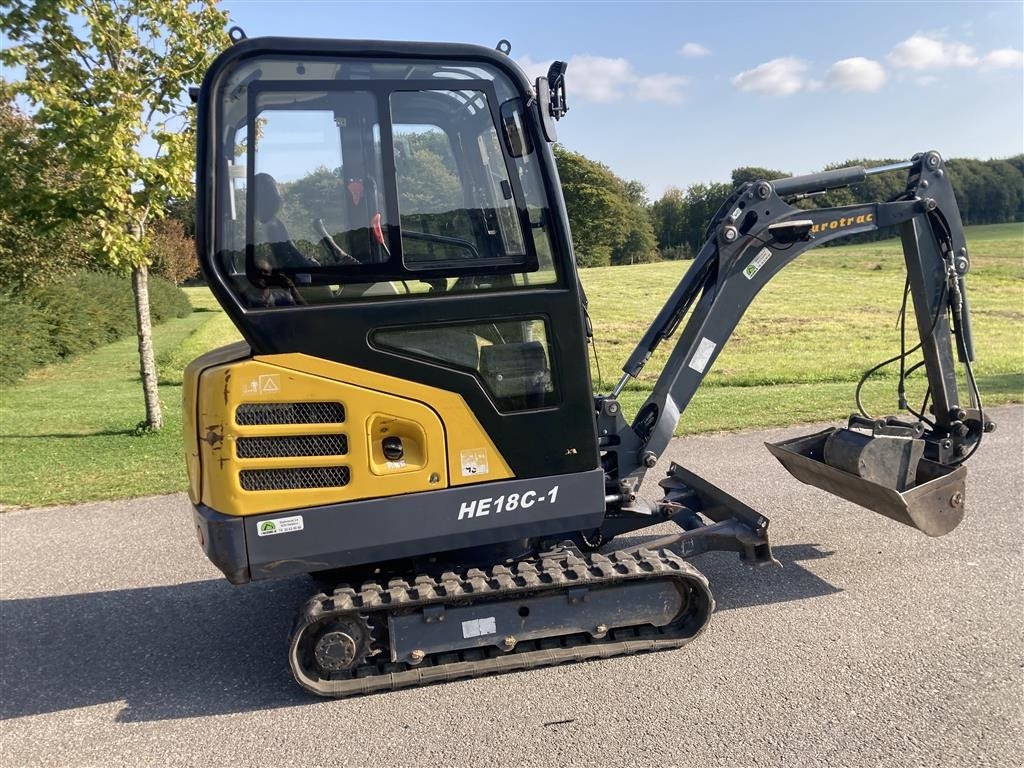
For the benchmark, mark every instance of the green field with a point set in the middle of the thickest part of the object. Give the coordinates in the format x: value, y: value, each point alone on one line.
x: 67, y: 433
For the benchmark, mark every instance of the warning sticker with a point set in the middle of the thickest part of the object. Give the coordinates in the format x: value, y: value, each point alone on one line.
x: 281, y: 525
x: 759, y: 261
x: 474, y: 462
x: 700, y: 358
x: 263, y: 384
x: 479, y: 627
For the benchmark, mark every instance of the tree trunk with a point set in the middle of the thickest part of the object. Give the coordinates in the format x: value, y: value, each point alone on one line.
x: 147, y: 362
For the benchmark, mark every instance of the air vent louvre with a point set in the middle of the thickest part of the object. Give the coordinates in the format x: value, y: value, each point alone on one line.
x: 293, y: 479
x: 252, y: 414
x: 291, y: 445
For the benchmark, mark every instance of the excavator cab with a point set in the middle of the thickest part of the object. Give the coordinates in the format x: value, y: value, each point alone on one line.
x: 410, y: 417
x: 383, y: 223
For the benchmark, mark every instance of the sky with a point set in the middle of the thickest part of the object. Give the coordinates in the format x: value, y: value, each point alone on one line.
x: 677, y: 93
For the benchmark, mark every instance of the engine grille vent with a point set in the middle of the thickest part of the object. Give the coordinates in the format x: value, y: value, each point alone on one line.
x: 292, y: 445
x: 251, y: 414
x: 292, y: 479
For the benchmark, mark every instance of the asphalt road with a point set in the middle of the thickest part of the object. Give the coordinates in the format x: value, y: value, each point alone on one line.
x: 874, y: 645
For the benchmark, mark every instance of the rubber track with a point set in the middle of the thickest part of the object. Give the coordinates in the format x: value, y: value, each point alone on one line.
x: 550, y: 575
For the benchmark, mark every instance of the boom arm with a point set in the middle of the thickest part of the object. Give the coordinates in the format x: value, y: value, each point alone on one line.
x: 754, y: 235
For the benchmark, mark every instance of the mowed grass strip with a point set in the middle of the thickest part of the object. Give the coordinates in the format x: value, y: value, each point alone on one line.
x: 803, y: 344
x: 67, y: 433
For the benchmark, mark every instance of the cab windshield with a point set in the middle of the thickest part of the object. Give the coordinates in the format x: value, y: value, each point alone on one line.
x: 341, y: 179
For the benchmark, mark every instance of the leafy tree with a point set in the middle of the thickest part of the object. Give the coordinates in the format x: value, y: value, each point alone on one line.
x: 754, y: 173
x: 183, y: 210
x: 635, y: 192
x: 608, y: 218
x: 639, y: 245
x: 107, y: 82
x: 428, y: 179
x: 39, y: 240
x: 598, y: 213
x: 670, y: 217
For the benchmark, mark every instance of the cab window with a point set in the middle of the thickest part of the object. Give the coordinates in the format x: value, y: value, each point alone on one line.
x: 336, y: 189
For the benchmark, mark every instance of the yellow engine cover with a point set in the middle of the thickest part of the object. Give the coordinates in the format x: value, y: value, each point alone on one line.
x: 282, y: 432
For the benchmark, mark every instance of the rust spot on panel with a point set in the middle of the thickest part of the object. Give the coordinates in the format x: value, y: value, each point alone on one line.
x: 213, y: 438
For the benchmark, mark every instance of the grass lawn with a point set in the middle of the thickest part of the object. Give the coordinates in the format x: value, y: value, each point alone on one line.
x: 67, y: 433
x: 803, y: 344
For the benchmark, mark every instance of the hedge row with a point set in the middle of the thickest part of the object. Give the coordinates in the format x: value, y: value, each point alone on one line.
x: 73, y: 315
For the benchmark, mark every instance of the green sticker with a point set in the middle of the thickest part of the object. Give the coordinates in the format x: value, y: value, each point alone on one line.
x: 759, y: 261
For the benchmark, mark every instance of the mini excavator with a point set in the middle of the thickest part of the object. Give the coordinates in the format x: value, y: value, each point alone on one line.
x: 410, y: 417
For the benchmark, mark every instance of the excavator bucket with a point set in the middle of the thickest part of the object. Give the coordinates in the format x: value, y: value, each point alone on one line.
x: 880, y: 477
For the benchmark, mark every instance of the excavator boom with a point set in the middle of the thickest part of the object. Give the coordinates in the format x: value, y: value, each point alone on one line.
x: 755, y: 234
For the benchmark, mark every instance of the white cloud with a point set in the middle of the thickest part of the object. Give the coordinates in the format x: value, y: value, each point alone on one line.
x: 856, y: 74
x: 922, y: 52
x: 694, y: 50
x: 533, y: 69
x: 668, y: 89
x: 603, y: 80
x: 1003, y: 58
x: 778, y: 77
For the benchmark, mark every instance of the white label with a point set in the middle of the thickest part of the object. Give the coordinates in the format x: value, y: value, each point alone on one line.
x: 269, y: 382
x: 700, y: 358
x: 479, y: 627
x: 752, y: 268
x: 474, y: 462
x: 281, y: 525
x: 509, y: 502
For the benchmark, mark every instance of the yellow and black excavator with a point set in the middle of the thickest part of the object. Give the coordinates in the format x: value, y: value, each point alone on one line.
x: 410, y: 417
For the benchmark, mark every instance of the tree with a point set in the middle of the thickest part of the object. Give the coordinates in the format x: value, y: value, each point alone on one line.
x: 670, y: 216
x: 107, y: 82
x: 38, y: 243
x: 754, y: 173
x: 609, y: 222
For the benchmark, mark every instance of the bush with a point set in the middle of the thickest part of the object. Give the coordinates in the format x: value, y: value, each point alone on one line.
x: 51, y: 322
x: 172, y: 252
x: 26, y: 339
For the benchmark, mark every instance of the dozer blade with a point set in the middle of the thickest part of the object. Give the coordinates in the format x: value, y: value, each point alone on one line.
x: 933, y: 505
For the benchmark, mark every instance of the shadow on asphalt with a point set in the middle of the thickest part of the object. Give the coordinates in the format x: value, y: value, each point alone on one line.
x: 207, y: 648
x: 185, y: 650
x: 736, y: 585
